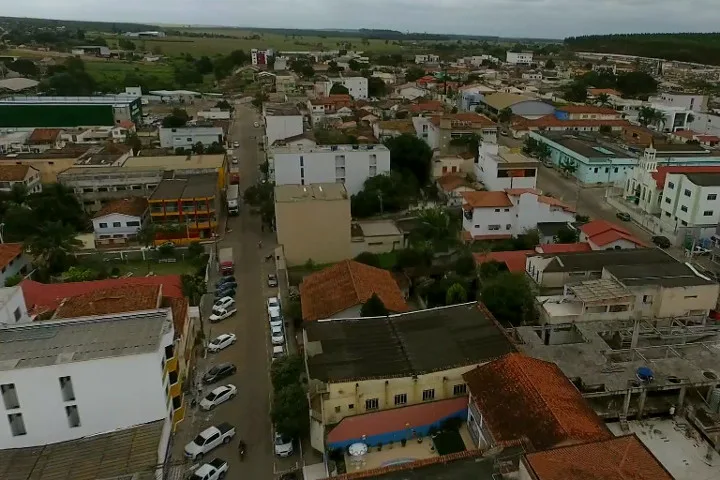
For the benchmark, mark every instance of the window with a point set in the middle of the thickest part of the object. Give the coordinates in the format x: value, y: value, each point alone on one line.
x: 460, y: 389
x: 506, y: 210
x: 372, y: 404
x: 647, y: 299
x: 595, y: 170
x: 707, y: 213
x: 337, y: 409
x: 102, y: 225
x: 493, y: 227
x: 133, y: 224
x: 687, y: 297
x: 302, y: 161
x: 66, y: 388
x: 667, y: 214
x: 120, y: 188
x: 401, y: 399
x: 508, y: 226
x: 117, y: 224
x: 373, y: 170
x: 687, y: 193
x: 17, y: 425
x: 428, y: 394
x: 671, y: 185
x: 189, y: 139
x: 683, y: 223
x: 351, y: 406
x: 615, y: 170
x: 9, y: 394
x: 683, y: 208
x: 17, y: 314
x: 88, y: 190
x: 667, y: 200
x: 302, y: 172
x: 73, y: 416
x: 497, y: 210
x: 712, y: 196
x: 607, y: 169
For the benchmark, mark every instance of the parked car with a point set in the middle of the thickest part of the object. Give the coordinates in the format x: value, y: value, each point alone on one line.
x: 272, y: 281
x: 216, y: 469
x: 209, y: 439
x: 625, y: 217
x: 218, y: 396
x: 661, y: 241
x: 224, y: 303
x: 234, y: 161
x: 273, y: 302
x: 277, y: 337
x: 224, y: 280
x: 236, y: 144
x: 221, y: 314
x: 228, y: 292
x: 227, y: 286
x: 278, y: 351
x: 221, y: 342
x: 283, y: 445
x: 274, y: 317
x: 218, y: 372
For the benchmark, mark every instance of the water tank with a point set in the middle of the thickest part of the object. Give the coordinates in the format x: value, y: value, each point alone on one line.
x: 715, y: 400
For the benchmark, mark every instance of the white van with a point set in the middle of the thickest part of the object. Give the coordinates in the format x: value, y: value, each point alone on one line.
x: 278, y: 352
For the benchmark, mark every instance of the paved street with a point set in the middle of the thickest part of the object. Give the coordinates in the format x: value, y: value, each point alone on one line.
x: 249, y: 411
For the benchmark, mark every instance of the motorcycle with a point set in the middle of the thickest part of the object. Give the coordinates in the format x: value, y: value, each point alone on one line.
x: 241, y: 450
x: 268, y: 257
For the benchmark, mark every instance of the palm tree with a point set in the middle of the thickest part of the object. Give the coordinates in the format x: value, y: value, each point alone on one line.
x: 568, y: 167
x: 603, y: 99
x: 542, y: 151
x: 51, y: 244
x: 436, y: 230
x: 650, y: 116
x: 505, y: 115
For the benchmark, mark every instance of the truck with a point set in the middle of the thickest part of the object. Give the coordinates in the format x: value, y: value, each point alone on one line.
x: 214, y: 470
x: 233, y: 199
x: 209, y: 439
x: 227, y: 264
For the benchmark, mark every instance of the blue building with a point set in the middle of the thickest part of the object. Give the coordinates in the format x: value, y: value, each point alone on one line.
x: 468, y: 101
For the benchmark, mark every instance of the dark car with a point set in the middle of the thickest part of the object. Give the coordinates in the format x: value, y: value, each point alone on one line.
x: 661, y: 241
x: 224, y: 280
x: 227, y: 286
x: 218, y: 372
x: 623, y: 216
x: 230, y: 292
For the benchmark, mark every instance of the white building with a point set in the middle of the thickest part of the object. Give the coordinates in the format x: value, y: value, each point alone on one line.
x: 348, y: 164
x: 705, y: 123
x: 499, y: 168
x: 22, y: 175
x: 12, y: 306
x: 357, y: 86
x: 504, y: 214
x: 119, y: 221
x: 186, y: 137
x: 13, y: 261
x: 410, y: 91
x: 214, y: 114
x: 692, y: 200
x: 686, y: 101
x: 519, y: 58
x: 427, y: 58
x: 282, y: 120
x: 281, y: 63
x: 66, y: 379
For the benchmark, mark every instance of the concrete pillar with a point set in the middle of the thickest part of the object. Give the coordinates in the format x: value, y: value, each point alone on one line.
x: 641, y: 403
x: 709, y: 392
x: 636, y: 334
x: 626, y: 403
x: 681, y: 398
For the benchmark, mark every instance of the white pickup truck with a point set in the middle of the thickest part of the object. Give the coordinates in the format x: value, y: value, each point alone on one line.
x: 214, y: 470
x: 209, y: 439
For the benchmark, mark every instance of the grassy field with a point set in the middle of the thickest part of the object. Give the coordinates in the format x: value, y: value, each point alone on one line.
x: 116, y: 70
x: 140, y: 269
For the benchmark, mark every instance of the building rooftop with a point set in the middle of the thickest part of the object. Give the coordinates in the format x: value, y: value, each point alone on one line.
x: 378, y: 228
x: 589, y: 109
x: 54, y: 342
x: 486, y: 199
x: 69, y: 151
x: 617, y: 458
x: 602, y: 232
x: 9, y: 252
x: 402, y: 126
x: 119, y: 454
x: 403, y: 344
x: 498, y: 101
x: 663, y: 171
x: 44, y: 136
x: 193, y: 186
x: 313, y: 192
x: 451, y: 181
x: 328, y: 148
x: 704, y: 179
x: 119, y: 100
x: 177, y: 162
x: 587, y: 144
x: 13, y: 173
x: 129, y: 298
x: 134, y: 206
x: 519, y: 396
x: 281, y: 109
x: 507, y: 155
x: 599, y: 259
x: 591, y: 291
x: 667, y: 275
x: 514, y: 260
x: 563, y: 247
x: 345, y: 285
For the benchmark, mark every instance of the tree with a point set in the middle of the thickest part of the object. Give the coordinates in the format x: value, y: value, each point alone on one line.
x: 374, y: 307
x: 576, y: 92
x: 204, y: 65
x: 79, y: 274
x: 491, y: 269
x: 289, y: 411
x: 376, y: 87
x: 24, y: 67
x: 530, y: 146
x: 410, y: 154
x: 339, y: 89
x: 650, y: 116
x: 134, y: 142
x: 186, y: 74
x: 369, y: 258
x: 292, y: 310
x: 146, y: 235
x: 193, y: 287
x: 286, y: 371
x: 603, y: 99
x: 455, y: 294
x: 568, y: 167
x: 414, y: 73
x: 13, y: 280
x: 52, y: 244
x: 636, y: 84
x: 354, y: 65
x: 18, y: 193
x: 198, y: 148
x: 550, y: 64
x: 509, y: 297
x: 566, y: 235
x: 195, y: 250
x: 542, y: 151
x: 465, y: 264
x: 384, y: 193
x: 178, y: 118
x: 436, y: 230
x: 259, y: 99
x: 505, y: 115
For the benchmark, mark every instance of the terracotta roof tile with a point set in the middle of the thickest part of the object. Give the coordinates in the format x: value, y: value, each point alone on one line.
x: 128, y: 298
x: 520, y: 396
x: 9, y: 252
x: 621, y: 458
x: 553, y: 121
x: 44, y: 136
x: 428, y: 106
x: 555, y: 203
x: 610, y: 236
x: 602, y: 232
x: 662, y: 172
x: 179, y: 307
x: 487, y: 199
x: 600, y: 226
x: 345, y: 285
x: 13, y: 173
x: 135, y: 207
x: 588, y: 109
x: 515, y: 260
x: 606, y: 91
x: 520, y: 191
x: 451, y: 181
x: 564, y: 247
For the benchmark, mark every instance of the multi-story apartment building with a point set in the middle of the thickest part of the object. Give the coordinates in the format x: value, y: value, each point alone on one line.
x: 687, y: 101
x: 518, y: 58
x: 427, y: 58
x: 439, y: 131
x: 499, y: 168
x: 357, y: 86
x: 692, y: 200
x: 282, y: 120
x: 186, y: 137
x: 348, y: 164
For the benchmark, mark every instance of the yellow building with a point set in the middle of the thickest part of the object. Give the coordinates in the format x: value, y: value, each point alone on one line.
x: 363, y: 365
x: 313, y: 222
x: 185, y: 165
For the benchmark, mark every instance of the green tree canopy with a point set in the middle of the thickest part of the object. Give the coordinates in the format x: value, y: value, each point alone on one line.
x: 410, y: 154
x: 369, y: 258
x: 290, y: 411
x: 509, y: 297
x: 414, y: 73
x: 566, y: 235
x: 286, y: 371
x: 455, y: 294
x: 178, y: 118
x: 374, y: 307
x: 339, y: 89
x: 52, y: 245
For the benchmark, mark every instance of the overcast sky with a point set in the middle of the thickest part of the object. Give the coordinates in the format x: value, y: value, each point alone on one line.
x: 509, y: 18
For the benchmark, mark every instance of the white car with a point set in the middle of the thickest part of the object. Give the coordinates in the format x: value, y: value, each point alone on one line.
x: 234, y: 160
x: 220, y: 314
x: 273, y: 302
x: 221, y: 342
x: 276, y: 335
x: 275, y: 317
x: 256, y: 124
x: 223, y: 303
x: 283, y: 445
x: 236, y: 144
x: 278, y: 352
x: 218, y: 396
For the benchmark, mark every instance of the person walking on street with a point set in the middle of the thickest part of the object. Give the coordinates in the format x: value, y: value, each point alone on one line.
x: 260, y: 244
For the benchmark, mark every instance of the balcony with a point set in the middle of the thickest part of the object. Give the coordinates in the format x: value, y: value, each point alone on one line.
x: 171, y: 365
x: 178, y: 410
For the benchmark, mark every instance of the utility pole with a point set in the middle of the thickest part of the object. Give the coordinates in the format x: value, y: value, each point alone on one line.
x: 2, y: 227
x: 381, y: 202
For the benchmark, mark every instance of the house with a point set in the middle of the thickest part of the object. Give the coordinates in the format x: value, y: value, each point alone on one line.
x: 23, y: 176
x: 594, y: 93
x: 348, y: 164
x: 13, y: 261
x: 587, y: 112
x: 519, y: 398
x: 519, y: 58
x: 563, y: 247
x: 186, y: 137
x: 604, y: 235
x: 426, y: 107
x: 426, y: 58
x: 392, y: 128
x: 332, y: 106
x: 341, y: 290
x: 13, y: 308
x: 356, y: 85
x: 417, y: 357
x: 118, y: 222
x: 503, y: 214
x: 282, y: 121
x: 520, y: 105
x: 500, y: 168
x: 514, y: 260
x: 49, y: 163
x: 376, y: 236
x: 450, y: 164
x: 410, y: 91
x: 452, y: 186
x: 520, y: 126
x: 42, y: 139
x: 441, y: 130
x: 313, y: 222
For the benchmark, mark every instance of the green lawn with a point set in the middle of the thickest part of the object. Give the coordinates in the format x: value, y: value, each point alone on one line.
x: 139, y: 268
x: 115, y: 70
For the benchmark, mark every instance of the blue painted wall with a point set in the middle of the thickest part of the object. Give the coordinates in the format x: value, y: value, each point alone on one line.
x: 562, y: 115
x: 397, y: 436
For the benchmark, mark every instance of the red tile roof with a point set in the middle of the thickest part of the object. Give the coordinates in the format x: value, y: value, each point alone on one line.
x: 688, y: 134
x: 474, y: 118
x: 135, y: 207
x: 520, y: 396
x: 555, y: 203
x: 602, y: 232
x: 621, y: 458
x: 13, y: 173
x: 127, y: 298
x: 44, y: 136
x: 395, y: 419
x: 662, y: 172
x: 597, y: 227
x: 44, y: 297
x: 345, y: 285
x: 9, y: 252
x: 564, y: 247
x: 486, y: 199
x: 451, y: 181
x: 129, y: 124
x: 519, y: 191
x: 606, y: 91
x: 514, y: 260
x: 591, y: 109
x: 708, y: 138
x: 553, y: 121
x: 428, y: 106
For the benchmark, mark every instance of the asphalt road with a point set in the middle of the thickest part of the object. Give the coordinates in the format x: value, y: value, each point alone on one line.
x: 250, y: 410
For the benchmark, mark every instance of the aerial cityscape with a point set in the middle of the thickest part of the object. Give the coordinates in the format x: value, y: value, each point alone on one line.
x: 333, y: 252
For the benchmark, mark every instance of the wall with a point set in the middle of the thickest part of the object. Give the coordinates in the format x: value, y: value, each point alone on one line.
x: 279, y: 127
x: 705, y: 123
x: 617, y: 244
x: 111, y: 393
x: 529, y: 212
x: 187, y: 137
x: 19, y: 265
x: 697, y: 203
x: 482, y: 218
x: 314, y: 229
x: 49, y: 168
x: 377, y: 244
x: 109, y: 229
x: 215, y: 114
x: 14, y: 302
x: 524, y: 471
x: 425, y: 130
x: 679, y: 301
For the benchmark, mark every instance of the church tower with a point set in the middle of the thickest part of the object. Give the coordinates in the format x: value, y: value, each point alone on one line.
x: 649, y: 161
